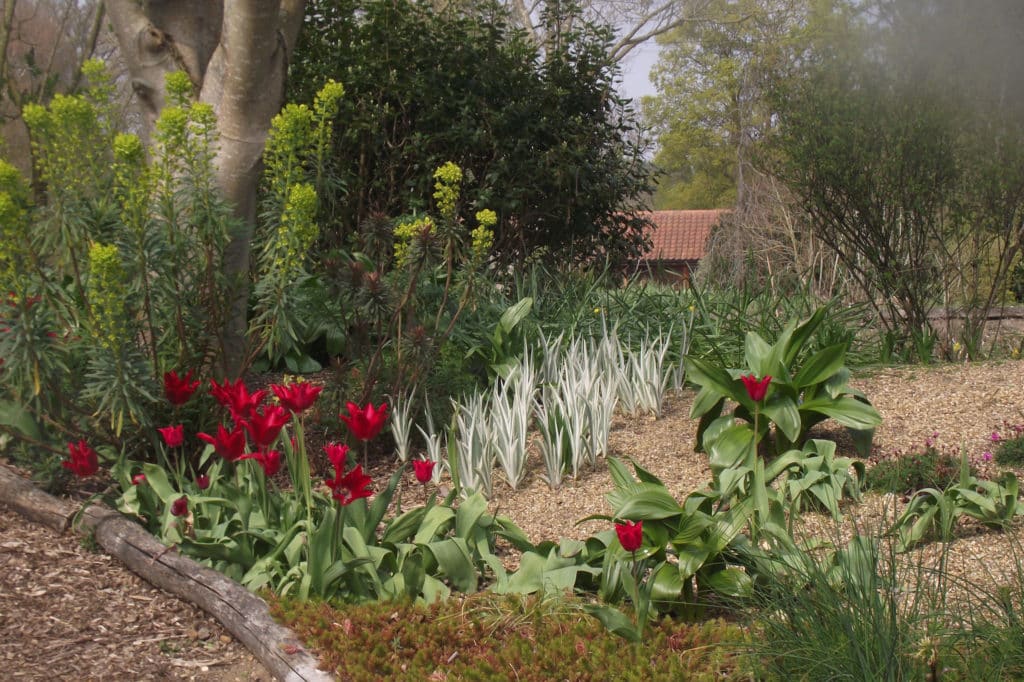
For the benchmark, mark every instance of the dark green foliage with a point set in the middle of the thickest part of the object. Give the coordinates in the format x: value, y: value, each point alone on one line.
x: 542, y: 139
x: 910, y: 472
x: 1010, y: 452
x: 490, y: 638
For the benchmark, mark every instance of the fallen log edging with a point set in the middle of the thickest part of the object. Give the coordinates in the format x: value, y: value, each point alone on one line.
x: 243, y: 614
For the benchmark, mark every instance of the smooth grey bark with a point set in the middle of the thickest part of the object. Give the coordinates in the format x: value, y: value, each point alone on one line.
x: 236, y: 54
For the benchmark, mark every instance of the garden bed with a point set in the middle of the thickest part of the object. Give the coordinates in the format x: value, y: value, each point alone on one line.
x: 91, y: 598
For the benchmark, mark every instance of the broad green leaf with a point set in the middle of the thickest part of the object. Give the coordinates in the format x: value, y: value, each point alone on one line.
x: 847, y: 411
x: 782, y: 410
x: 156, y: 478
x: 403, y: 527
x: 706, y: 375
x: 821, y: 366
x: 620, y: 474
x: 435, y: 523
x: 733, y: 447
x: 515, y: 314
x: 17, y: 417
x: 666, y: 584
x: 453, y: 558
x: 732, y: 582
x: 614, y: 621
x: 468, y: 514
x: 802, y: 334
x: 758, y: 355
x: 649, y: 502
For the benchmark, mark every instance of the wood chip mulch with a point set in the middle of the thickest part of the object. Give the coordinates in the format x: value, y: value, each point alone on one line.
x: 69, y: 613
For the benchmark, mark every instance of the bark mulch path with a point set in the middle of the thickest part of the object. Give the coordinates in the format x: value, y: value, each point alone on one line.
x: 69, y: 613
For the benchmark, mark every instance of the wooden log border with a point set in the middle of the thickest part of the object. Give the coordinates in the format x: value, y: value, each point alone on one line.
x: 242, y: 613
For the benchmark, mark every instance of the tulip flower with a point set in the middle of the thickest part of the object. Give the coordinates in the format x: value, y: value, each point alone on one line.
x: 367, y: 422
x: 350, y: 487
x: 138, y: 479
x: 337, y: 454
x: 424, y: 470
x: 270, y: 460
x: 265, y: 425
x: 202, y: 481
x: 236, y: 397
x: 180, y: 506
x: 83, y: 461
x: 297, y: 397
x: 631, y: 535
x: 228, y: 444
x: 174, y: 436
x: 179, y: 389
x: 756, y: 389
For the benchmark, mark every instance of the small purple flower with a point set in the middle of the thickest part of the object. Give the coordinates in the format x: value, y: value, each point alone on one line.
x: 986, y: 456
x: 994, y: 437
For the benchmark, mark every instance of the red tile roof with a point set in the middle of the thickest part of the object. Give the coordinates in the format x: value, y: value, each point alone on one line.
x: 681, y: 235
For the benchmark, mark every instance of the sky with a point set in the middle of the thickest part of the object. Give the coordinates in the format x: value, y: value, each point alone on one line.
x: 636, y: 69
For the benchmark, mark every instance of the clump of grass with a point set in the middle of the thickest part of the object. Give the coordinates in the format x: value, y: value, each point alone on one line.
x: 906, y: 473
x: 487, y: 637
x: 1010, y: 451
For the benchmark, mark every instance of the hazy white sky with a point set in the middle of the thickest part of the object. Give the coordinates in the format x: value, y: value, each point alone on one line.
x: 636, y: 69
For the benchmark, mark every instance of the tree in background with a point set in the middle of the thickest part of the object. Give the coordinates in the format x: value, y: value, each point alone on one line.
x: 907, y: 158
x: 712, y: 108
x: 43, y: 44
x: 235, y: 54
x: 545, y: 143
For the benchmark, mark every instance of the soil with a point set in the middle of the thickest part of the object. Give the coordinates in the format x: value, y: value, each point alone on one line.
x: 67, y: 612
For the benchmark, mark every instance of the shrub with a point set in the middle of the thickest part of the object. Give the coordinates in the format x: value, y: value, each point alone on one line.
x: 1010, y: 452
x: 907, y: 473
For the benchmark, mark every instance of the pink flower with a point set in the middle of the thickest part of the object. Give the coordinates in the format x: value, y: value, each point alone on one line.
x: 228, y: 444
x: 423, y: 468
x: 986, y: 456
x: 367, y: 422
x: 83, y: 462
x: 179, y: 389
x: 138, y: 479
x: 994, y: 437
x: 270, y: 460
x: 265, y: 425
x: 297, y: 397
x: 180, y: 506
x: 202, y: 481
x: 174, y: 436
x: 631, y: 535
x: 756, y: 389
x: 350, y: 487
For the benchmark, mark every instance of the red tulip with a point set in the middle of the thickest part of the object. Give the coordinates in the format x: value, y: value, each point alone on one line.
x: 236, y: 397
x: 180, y: 506
x: 338, y: 454
x: 423, y: 468
x: 138, y: 479
x: 367, y: 422
x: 756, y: 389
x: 631, y: 535
x: 202, y: 481
x: 228, y: 444
x: 179, y: 389
x: 174, y: 436
x: 297, y: 397
x: 350, y: 487
x: 270, y: 460
x: 265, y: 425
x: 83, y: 462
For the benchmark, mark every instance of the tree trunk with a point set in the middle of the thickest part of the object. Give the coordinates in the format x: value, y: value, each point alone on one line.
x: 236, y: 54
